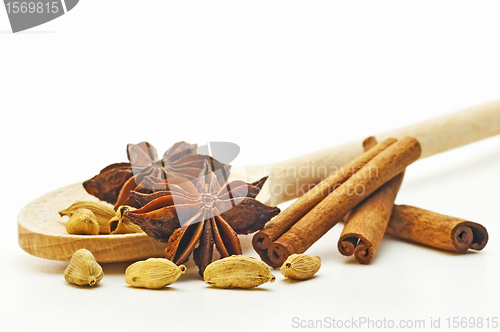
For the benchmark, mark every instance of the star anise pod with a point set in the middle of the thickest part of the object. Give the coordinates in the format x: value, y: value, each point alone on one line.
x: 202, y: 215
x: 114, y: 183
x: 151, y: 188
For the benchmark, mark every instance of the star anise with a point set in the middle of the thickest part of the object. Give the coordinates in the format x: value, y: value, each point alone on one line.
x: 114, y: 183
x: 188, y: 215
x: 151, y: 188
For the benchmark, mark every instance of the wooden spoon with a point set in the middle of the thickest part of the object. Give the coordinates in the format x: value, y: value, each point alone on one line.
x: 42, y: 231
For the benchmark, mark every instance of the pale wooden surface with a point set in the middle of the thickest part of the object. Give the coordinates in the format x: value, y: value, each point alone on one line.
x: 42, y: 232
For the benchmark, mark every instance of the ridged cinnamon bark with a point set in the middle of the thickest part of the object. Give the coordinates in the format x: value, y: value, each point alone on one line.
x: 436, y: 230
x: 287, y: 218
x: 366, y: 223
x: 337, y: 204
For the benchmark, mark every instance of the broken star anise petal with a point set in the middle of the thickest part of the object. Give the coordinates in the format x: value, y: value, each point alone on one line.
x: 107, y: 184
x: 226, y: 239
x: 160, y: 226
x: 142, y: 199
x: 202, y: 255
x: 259, y: 183
x: 124, y: 194
x: 240, y: 188
x: 149, y: 185
x: 184, y: 239
x: 160, y: 218
x: 248, y: 215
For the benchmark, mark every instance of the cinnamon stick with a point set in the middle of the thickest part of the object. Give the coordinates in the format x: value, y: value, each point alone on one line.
x: 337, y: 204
x: 366, y: 223
x: 287, y: 218
x: 436, y: 230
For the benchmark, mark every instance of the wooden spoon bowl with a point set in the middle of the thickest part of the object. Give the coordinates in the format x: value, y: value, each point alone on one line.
x: 42, y: 232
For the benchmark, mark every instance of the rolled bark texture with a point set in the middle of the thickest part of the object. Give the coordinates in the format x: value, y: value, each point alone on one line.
x: 337, y: 204
x: 287, y: 218
x: 436, y: 230
x: 367, y: 222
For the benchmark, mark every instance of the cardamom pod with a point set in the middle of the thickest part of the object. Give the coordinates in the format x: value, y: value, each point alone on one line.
x: 121, y: 224
x: 237, y: 271
x: 83, y: 269
x: 103, y: 213
x: 82, y: 222
x: 153, y: 273
x: 300, y: 266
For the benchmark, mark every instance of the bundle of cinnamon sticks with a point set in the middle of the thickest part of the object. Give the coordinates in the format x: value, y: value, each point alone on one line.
x: 362, y: 194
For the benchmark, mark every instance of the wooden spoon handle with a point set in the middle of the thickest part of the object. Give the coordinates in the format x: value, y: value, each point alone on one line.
x: 452, y: 130
x: 291, y: 178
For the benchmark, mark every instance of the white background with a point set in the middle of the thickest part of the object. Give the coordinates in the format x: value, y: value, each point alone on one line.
x: 280, y: 79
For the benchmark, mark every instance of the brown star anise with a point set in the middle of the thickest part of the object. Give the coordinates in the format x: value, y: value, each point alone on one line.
x: 186, y: 215
x: 114, y: 183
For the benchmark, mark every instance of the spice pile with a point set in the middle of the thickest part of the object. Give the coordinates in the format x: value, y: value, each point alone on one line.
x: 185, y: 201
